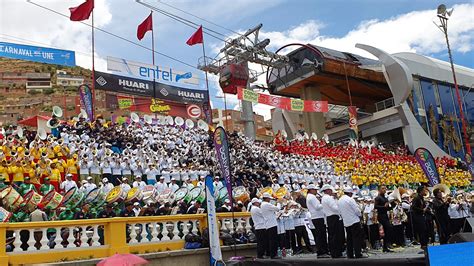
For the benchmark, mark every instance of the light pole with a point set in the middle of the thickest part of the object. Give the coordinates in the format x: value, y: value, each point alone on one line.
x: 443, y: 15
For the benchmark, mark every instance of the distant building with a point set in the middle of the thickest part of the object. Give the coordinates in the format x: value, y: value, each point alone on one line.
x: 38, y: 81
x: 63, y: 79
x: 231, y: 121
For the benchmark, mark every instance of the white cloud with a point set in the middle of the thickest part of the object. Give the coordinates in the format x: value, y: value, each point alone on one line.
x: 36, y: 26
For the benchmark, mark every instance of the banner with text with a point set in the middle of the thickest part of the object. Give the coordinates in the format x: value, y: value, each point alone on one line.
x: 147, y: 71
x: 285, y: 103
x: 147, y: 105
x: 222, y: 152
x: 140, y: 87
x: 427, y: 162
x: 214, y: 242
x: 37, y: 54
x: 87, y: 101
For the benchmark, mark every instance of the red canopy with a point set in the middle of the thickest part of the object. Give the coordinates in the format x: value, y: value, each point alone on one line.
x: 33, y: 121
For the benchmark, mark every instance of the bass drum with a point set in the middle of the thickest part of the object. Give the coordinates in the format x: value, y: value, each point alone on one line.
x: 92, y: 196
x: 11, y: 199
x: 31, y: 200
x: 116, y: 195
x: 182, y: 194
x: 222, y: 195
x: 241, y: 194
x: 134, y: 195
x: 73, y: 198
x: 4, y: 215
x: 149, y: 194
x: 52, y: 200
x: 166, y: 196
x: 198, y: 194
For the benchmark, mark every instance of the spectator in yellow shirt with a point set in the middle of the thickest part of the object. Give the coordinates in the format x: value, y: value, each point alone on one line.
x: 18, y: 175
x: 55, y: 176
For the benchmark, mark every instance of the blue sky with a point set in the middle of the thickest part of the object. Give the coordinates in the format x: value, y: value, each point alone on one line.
x: 395, y: 26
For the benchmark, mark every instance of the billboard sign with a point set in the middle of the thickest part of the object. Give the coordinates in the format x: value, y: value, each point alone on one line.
x: 147, y: 71
x: 38, y: 54
x: 140, y: 87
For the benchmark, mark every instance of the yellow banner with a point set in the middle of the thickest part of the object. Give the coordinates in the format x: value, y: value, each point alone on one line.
x: 297, y: 105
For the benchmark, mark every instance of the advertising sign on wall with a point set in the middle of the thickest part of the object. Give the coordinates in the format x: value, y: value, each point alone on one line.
x: 37, y: 54
x: 140, y: 87
x: 146, y: 71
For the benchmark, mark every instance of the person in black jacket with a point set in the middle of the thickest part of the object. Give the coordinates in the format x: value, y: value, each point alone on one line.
x: 441, y: 214
x: 383, y: 206
x: 419, y: 209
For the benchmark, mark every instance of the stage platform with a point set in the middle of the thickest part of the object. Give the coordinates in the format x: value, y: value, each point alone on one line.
x: 407, y: 256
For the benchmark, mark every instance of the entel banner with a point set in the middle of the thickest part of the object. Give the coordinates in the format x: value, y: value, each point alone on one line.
x: 140, y: 87
x: 428, y: 164
x: 146, y: 71
x: 38, y: 54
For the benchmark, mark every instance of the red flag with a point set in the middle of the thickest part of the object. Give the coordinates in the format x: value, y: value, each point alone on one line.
x: 145, y: 26
x: 196, y: 37
x: 82, y: 12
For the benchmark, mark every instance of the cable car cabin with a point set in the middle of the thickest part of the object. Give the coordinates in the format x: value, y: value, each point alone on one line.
x: 233, y: 76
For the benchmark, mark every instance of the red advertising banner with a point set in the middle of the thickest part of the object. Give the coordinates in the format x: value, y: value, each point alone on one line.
x: 148, y: 105
x: 285, y: 103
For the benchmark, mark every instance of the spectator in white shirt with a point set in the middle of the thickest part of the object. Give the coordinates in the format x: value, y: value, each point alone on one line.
x: 217, y: 184
x: 139, y: 183
x: 334, y: 224
x: 173, y: 186
x: 202, y: 182
x: 269, y: 214
x: 351, y: 214
x: 151, y: 172
x: 161, y: 185
x: 317, y: 217
x: 67, y: 184
x: 259, y: 225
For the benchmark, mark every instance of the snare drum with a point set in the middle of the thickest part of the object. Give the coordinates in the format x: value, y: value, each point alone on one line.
x: 52, y: 199
x: 31, y: 200
x: 11, y: 199
x: 116, y: 195
x: 4, y: 215
x: 72, y: 198
x: 198, y: 194
x: 182, y: 194
x: 222, y: 194
x: 134, y: 195
x: 240, y: 194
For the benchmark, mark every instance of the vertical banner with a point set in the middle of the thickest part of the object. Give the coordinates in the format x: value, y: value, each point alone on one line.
x: 427, y: 162
x: 222, y: 152
x: 85, y: 94
x: 353, y: 129
x: 214, y: 243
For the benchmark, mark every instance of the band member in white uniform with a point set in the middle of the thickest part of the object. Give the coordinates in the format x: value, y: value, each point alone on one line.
x: 317, y: 217
x: 351, y: 214
x: 269, y: 214
x: 259, y: 225
x: 335, y: 226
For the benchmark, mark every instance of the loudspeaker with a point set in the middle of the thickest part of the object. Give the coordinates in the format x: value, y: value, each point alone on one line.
x: 461, y: 237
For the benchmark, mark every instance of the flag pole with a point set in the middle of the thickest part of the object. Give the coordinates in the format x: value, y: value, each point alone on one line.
x: 153, y: 56
x: 93, y: 70
x: 207, y: 84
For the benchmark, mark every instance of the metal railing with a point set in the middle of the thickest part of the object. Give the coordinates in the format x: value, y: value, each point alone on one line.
x: 53, y: 241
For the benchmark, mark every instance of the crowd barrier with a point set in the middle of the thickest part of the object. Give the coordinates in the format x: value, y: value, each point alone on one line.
x: 54, y: 241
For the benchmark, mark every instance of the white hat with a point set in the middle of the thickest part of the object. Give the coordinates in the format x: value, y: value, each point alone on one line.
x: 312, y: 186
x: 255, y: 200
x: 326, y: 187
x: 267, y: 195
x: 69, y: 175
x: 348, y: 189
x: 138, y: 176
x: 162, y: 177
x: 173, y: 179
x: 83, y: 182
x: 239, y: 202
x: 105, y: 180
x: 405, y: 195
x: 136, y: 204
x: 124, y: 178
x: 227, y: 201
x: 89, y: 178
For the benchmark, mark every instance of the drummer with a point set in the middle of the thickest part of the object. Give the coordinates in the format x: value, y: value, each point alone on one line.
x: 20, y: 215
x: 173, y: 186
x: 67, y: 184
x: 46, y: 187
x: 161, y: 185
x: 66, y: 215
x: 2, y: 183
x: 188, y: 184
x: 138, y: 182
x: 202, y: 182
x: 225, y: 207
x: 106, y: 186
x: 108, y: 212
x: 90, y: 185
x: 125, y: 186
x: 26, y: 187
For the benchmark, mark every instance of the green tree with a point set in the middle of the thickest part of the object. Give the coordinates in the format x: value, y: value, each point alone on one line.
x: 48, y: 91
